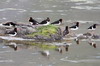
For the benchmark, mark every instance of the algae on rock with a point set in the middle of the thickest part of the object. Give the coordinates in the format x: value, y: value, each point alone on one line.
x: 47, y: 33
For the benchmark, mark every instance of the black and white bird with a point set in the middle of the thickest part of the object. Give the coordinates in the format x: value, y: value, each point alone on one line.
x: 58, y: 22
x: 13, y: 32
x: 12, y: 45
x: 9, y: 24
x: 75, y: 27
x: 33, y: 21
x: 45, y: 53
x: 92, y: 27
x: 45, y: 22
x: 66, y: 31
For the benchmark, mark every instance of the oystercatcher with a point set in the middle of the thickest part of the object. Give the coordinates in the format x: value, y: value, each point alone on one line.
x: 66, y: 31
x: 92, y: 27
x: 13, y: 32
x: 58, y: 22
x: 75, y: 27
x: 9, y: 24
x: 33, y: 21
x: 46, y: 21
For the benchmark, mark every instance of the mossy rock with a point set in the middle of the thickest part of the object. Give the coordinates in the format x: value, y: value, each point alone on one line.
x: 45, y: 31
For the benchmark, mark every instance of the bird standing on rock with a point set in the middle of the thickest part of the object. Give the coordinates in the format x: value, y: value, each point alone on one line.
x: 66, y: 31
x: 93, y: 27
x: 58, y: 22
x: 9, y: 24
x: 45, y: 22
x: 13, y: 32
x: 33, y: 21
x: 75, y: 27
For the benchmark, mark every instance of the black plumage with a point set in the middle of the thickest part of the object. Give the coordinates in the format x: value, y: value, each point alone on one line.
x: 75, y: 26
x: 13, y: 32
x: 66, y: 31
x: 33, y: 21
x: 57, y: 22
x: 10, y: 24
x: 92, y: 27
x: 45, y: 21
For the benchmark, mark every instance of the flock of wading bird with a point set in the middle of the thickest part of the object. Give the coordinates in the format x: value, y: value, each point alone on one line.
x: 64, y: 33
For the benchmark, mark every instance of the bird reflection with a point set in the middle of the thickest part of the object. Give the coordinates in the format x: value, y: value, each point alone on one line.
x: 77, y: 41
x: 92, y: 44
x: 66, y: 46
x: 45, y: 53
x: 59, y: 49
x: 16, y: 46
x: 13, y: 45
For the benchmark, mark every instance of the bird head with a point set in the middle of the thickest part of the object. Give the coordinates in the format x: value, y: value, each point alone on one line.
x: 77, y: 23
x: 48, y: 19
x: 60, y: 20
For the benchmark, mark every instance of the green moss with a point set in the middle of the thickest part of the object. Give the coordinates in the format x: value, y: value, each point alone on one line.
x: 45, y: 30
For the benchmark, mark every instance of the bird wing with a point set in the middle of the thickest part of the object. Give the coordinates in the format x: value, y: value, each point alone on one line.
x: 74, y: 26
x: 43, y: 22
x: 55, y: 22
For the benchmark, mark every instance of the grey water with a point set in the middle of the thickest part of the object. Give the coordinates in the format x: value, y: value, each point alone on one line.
x: 86, y: 12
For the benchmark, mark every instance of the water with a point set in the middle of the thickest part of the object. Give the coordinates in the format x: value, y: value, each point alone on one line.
x: 70, y: 11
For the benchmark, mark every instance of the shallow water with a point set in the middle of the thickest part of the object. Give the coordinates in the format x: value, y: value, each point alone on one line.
x: 86, y: 12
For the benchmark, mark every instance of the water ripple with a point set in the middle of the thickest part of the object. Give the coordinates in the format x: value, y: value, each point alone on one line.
x: 42, y: 11
x: 4, y: 51
x: 13, y: 9
x: 78, y: 0
x: 78, y: 61
x: 86, y: 7
x: 7, y: 61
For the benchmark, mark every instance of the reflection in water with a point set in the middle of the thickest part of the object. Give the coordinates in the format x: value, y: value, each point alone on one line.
x: 16, y: 47
x: 59, y: 49
x: 12, y: 45
x: 92, y: 43
x: 45, y: 53
x: 36, y: 51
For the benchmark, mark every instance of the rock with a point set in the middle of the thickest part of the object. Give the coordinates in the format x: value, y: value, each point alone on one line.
x: 39, y: 32
x: 47, y: 33
x: 2, y: 30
